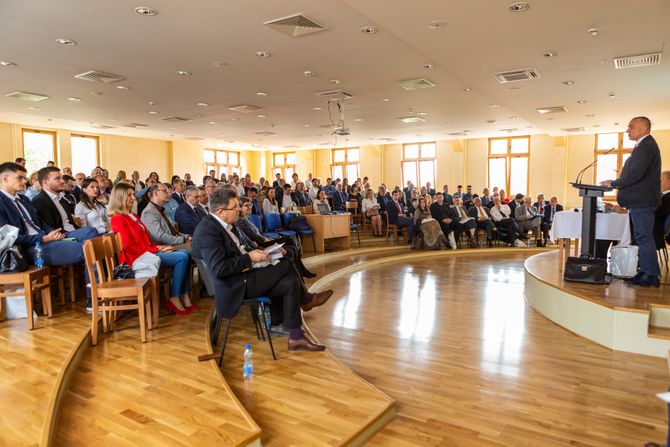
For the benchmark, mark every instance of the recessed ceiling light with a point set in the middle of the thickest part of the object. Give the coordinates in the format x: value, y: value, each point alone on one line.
x: 518, y: 7
x: 220, y: 64
x: 68, y: 42
x: 435, y: 24
x: 261, y: 116
x: 494, y: 106
x: 201, y: 104
x: 590, y: 115
x: 306, y: 125
x: 514, y: 117
x: 7, y: 64
x: 368, y: 30
x: 146, y: 11
x: 96, y: 93
x: 568, y: 82
x: 153, y: 112
x: 616, y: 124
x: 316, y: 109
x: 467, y: 89
x: 34, y: 108
x: 386, y: 99
x: 261, y: 93
x: 74, y: 99
x: 593, y: 31
x: 122, y: 87
x: 428, y: 66
x: 550, y: 54
x: 421, y: 113
x: 183, y: 73
x: 262, y: 53
x: 335, y: 81
x: 212, y: 122
x: 581, y: 101
x: 152, y: 103
x: 491, y: 121
x: 358, y: 120
x: 612, y: 95
x: 309, y: 73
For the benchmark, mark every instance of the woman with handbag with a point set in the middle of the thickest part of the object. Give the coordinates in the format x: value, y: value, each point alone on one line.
x: 137, y: 246
x: 432, y: 237
x: 371, y: 209
x: 89, y: 211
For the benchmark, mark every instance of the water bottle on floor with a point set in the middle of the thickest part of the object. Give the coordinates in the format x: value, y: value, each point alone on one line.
x: 39, y: 260
x: 248, y: 363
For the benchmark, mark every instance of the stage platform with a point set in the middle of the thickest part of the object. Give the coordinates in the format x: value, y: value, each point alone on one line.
x: 618, y: 316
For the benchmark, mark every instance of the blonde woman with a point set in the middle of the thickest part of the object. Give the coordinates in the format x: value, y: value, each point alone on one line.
x: 370, y: 208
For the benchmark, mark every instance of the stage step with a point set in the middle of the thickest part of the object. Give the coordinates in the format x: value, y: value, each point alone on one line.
x: 659, y: 316
x: 662, y: 333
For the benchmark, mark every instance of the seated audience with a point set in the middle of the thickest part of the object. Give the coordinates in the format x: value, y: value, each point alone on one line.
x: 233, y: 270
x: 190, y: 213
x: 371, y: 208
x: 340, y: 198
x: 89, y: 211
x: 285, y: 199
x: 320, y: 199
x: 503, y: 197
x: 300, y: 196
x: 549, y: 212
x: 463, y: 222
x: 314, y: 189
x: 203, y: 198
x: 482, y: 219
x: 487, y: 199
x: 501, y: 215
x: 34, y: 188
x: 270, y: 204
x: 444, y: 215
x: 527, y: 218
x: 252, y: 194
x: 447, y: 198
x: 121, y: 175
x: 135, y: 241
x: 355, y: 195
x: 540, y: 204
x: 396, y: 215
x: 518, y: 200
x: 69, y: 200
x: 156, y: 221
x: 429, y: 233
x: 187, y: 180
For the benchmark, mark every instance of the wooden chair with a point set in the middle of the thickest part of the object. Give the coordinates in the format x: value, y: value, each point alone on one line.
x: 352, y: 207
x: 113, y: 247
x: 114, y: 295
x: 394, y: 228
x: 32, y: 281
x: 60, y: 275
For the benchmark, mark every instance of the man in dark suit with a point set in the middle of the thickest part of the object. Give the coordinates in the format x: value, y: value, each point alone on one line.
x: 518, y: 200
x: 482, y: 219
x: 540, y: 204
x: 340, y: 198
x: 396, y: 216
x: 53, y: 210
x: 300, y: 195
x: 441, y: 211
x: 662, y: 211
x: 276, y: 184
x: 430, y: 190
x: 252, y: 193
x: 448, y: 198
x: 178, y: 188
x: 466, y: 197
x: 549, y: 213
x: 640, y: 192
x: 235, y: 277
x: 187, y: 180
x: 16, y: 210
x: 189, y: 214
x: 68, y: 196
x: 487, y: 199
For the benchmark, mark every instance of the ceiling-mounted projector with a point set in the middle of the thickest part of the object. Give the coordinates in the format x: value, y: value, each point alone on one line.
x: 342, y: 131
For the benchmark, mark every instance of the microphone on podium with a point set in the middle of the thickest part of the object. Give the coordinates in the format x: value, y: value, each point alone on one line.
x: 581, y: 173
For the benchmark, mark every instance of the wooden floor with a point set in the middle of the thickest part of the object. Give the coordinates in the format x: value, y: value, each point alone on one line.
x: 30, y: 362
x: 453, y: 342
x: 616, y: 295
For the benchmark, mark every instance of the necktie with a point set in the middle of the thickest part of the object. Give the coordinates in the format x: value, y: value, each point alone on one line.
x: 481, y: 212
x: 399, y: 209
x: 244, y: 240
x: 26, y: 217
x: 553, y: 210
x: 173, y: 230
x: 460, y: 212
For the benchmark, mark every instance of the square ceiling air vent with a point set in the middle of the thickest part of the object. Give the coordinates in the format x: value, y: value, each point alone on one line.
x: 574, y: 129
x: 101, y: 126
x: 265, y: 133
x: 641, y: 60
x: 175, y: 119
x: 27, y: 96
x: 99, y: 76
x: 296, y: 25
x: 335, y: 95
x: 415, y: 84
x: 135, y: 125
x: 412, y: 119
x: 195, y: 138
x: 245, y: 108
x: 523, y: 74
x: 553, y: 109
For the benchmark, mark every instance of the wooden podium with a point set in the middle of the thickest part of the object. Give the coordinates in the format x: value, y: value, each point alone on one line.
x: 332, y: 227
x: 589, y: 195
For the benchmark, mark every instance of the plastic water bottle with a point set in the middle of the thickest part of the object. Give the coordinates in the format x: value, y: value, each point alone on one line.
x: 39, y: 261
x: 268, y: 317
x: 248, y: 363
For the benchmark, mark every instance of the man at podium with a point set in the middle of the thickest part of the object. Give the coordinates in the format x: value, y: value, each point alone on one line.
x: 640, y: 192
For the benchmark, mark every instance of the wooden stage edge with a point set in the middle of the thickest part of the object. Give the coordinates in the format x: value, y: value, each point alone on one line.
x: 615, y: 315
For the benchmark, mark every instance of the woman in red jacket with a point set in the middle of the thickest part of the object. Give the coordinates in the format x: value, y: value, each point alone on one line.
x: 135, y: 242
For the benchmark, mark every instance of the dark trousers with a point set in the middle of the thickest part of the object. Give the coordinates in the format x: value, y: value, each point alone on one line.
x: 508, y: 226
x: 643, y: 230
x: 487, y: 226
x: 279, y: 283
x: 461, y: 227
x: 447, y: 228
x: 408, y: 222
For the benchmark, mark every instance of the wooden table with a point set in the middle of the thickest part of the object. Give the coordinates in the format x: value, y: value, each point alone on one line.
x: 335, y: 227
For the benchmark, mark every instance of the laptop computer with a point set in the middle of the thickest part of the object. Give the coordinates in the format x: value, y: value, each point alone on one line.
x: 323, y: 208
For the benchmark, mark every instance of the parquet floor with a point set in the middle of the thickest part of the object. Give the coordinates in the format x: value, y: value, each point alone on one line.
x: 30, y: 362
x: 470, y: 364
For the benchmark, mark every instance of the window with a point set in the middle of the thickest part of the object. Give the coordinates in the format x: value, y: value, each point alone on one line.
x: 222, y: 162
x: 345, y: 163
x: 418, y: 164
x: 85, y: 153
x: 39, y: 147
x: 284, y: 164
x: 508, y: 164
x: 612, y: 151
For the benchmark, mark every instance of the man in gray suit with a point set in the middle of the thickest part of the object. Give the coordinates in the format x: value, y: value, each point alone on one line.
x: 527, y: 218
x: 161, y: 230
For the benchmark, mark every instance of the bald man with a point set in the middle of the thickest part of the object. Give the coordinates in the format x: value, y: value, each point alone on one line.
x: 640, y: 192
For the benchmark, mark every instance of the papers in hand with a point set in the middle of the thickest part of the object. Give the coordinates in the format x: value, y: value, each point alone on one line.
x: 466, y: 219
x: 274, y: 251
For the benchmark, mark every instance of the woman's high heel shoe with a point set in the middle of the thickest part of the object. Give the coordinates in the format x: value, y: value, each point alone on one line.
x: 173, y: 308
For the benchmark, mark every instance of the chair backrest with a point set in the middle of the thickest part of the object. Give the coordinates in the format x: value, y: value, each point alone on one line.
x: 272, y: 221
x: 256, y: 220
x: 95, y: 260
x: 205, y: 275
x: 112, y: 244
x: 352, y: 204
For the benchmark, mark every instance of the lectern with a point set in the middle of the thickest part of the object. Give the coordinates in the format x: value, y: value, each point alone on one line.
x: 589, y: 194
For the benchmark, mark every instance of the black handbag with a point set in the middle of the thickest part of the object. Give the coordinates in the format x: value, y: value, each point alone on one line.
x: 586, y: 270
x: 123, y: 271
x: 12, y: 260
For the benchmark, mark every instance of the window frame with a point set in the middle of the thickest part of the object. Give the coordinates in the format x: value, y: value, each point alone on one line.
x: 53, y: 134
x: 98, y: 154
x: 217, y: 166
x: 508, y: 156
x: 418, y: 161
x: 283, y: 167
x: 619, y: 151
x: 344, y: 164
